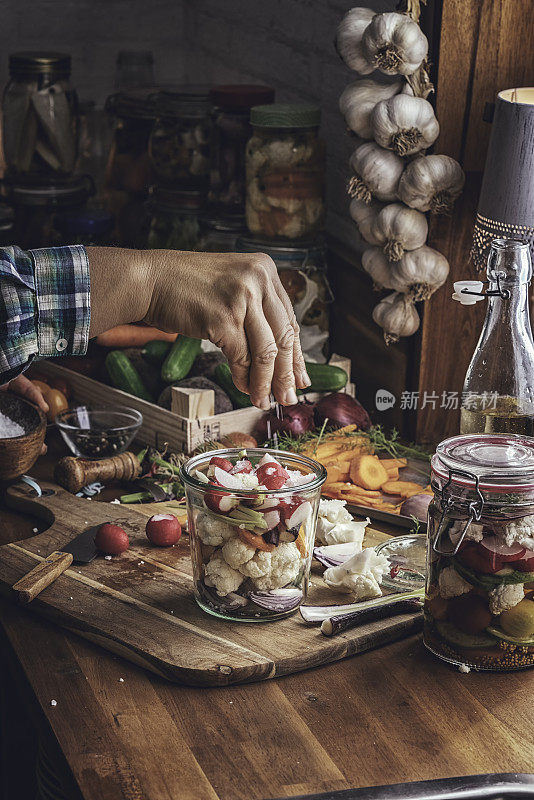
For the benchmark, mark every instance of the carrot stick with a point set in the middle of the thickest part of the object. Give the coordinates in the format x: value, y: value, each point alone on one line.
x: 133, y: 336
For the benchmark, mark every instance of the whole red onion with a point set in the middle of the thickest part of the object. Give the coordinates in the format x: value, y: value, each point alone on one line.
x: 340, y: 410
x: 293, y: 420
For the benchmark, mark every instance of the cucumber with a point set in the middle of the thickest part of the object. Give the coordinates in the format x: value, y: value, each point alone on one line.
x: 529, y: 642
x: 487, y: 582
x: 155, y: 352
x: 123, y: 375
x: 325, y: 378
x: 470, y: 640
x: 180, y: 359
x: 223, y: 376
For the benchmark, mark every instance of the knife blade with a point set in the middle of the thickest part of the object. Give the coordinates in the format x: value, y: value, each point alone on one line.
x: 80, y: 550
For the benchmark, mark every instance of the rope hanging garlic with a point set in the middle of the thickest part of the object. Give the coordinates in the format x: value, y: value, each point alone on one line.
x: 393, y: 182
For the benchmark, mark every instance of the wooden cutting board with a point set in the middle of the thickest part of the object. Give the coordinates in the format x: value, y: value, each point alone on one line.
x: 140, y: 604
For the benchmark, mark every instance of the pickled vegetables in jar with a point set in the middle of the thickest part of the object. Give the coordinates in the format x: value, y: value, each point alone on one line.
x: 479, y: 607
x: 285, y: 172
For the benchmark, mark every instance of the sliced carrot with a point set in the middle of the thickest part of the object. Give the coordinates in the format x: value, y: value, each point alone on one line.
x: 254, y: 541
x: 300, y: 541
x: 389, y: 463
x: 393, y: 473
x: 404, y: 488
x: 336, y: 474
x: 368, y: 472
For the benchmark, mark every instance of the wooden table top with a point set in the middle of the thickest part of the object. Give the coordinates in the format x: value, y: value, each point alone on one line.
x: 390, y: 715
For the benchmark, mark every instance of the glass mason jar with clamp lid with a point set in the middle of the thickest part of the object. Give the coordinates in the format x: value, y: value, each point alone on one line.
x: 498, y: 395
x: 479, y: 607
x: 39, y: 116
x: 180, y: 142
x: 285, y: 172
x: 302, y: 269
x: 175, y: 219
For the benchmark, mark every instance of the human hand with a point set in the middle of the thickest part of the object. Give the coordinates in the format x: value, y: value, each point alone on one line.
x: 25, y: 388
x: 237, y: 301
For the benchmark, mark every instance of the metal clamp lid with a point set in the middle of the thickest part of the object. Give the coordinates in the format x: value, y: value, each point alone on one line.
x: 474, y: 510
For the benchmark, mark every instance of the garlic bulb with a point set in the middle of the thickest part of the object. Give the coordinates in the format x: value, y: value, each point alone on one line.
x: 399, y: 228
x: 394, y: 44
x: 405, y: 124
x: 365, y: 215
x: 377, y: 173
x: 349, y: 39
x: 397, y: 315
x: 378, y: 267
x: 431, y: 183
x: 420, y: 272
x: 358, y: 100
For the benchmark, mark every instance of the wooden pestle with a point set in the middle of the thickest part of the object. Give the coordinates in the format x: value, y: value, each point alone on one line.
x: 75, y: 473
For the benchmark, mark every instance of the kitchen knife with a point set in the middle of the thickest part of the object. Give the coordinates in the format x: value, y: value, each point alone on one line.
x: 80, y: 550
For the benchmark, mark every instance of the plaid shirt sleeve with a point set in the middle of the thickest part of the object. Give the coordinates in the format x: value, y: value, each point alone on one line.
x: 44, y: 305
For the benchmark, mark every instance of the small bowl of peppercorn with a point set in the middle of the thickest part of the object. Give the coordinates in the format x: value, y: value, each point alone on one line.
x: 98, y: 432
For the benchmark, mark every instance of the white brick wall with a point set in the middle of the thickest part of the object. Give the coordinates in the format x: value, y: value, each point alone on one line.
x: 285, y: 43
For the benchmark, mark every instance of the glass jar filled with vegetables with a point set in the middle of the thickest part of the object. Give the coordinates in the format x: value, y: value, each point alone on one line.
x: 285, y: 172
x: 39, y: 116
x: 180, y: 142
x: 128, y: 169
x: 231, y: 131
x: 174, y: 218
x: 220, y: 234
x: 302, y: 269
x: 252, y: 517
x: 479, y: 608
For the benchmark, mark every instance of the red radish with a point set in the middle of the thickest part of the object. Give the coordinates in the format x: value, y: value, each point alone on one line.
x: 220, y: 503
x: 111, y: 539
x: 226, y: 479
x: 267, y: 459
x: 295, y: 513
x: 502, y: 551
x: 272, y: 518
x: 163, y: 530
x: 268, y: 503
x: 272, y: 475
x: 222, y: 463
x: 478, y: 558
x: 243, y: 466
x: 525, y: 563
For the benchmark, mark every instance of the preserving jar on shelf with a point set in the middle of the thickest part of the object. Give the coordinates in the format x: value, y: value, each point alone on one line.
x: 39, y: 116
x: 302, y: 269
x: 35, y: 207
x: 251, y: 560
x: 128, y: 168
x: 285, y: 172
x: 180, y: 142
x: 220, y: 234
x: 479, y: 607
x: 89, y: 226
x: 174, y: 218
x: 231, y: 131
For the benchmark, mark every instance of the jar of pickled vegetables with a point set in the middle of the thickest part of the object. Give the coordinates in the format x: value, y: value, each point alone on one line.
x: 220, y: 234
x: 285, y: 172
x: 180, y: 142
x: 251, y: 518
x: 302, y: 269
x: 174, y: 219
x: 231, y: 131
x: 479, y: 607
x: 40, y: 116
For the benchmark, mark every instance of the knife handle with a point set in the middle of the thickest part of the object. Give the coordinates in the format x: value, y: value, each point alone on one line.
x: 41, y: 576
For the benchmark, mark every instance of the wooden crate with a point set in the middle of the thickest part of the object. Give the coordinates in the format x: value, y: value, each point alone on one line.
x: 161, y: 427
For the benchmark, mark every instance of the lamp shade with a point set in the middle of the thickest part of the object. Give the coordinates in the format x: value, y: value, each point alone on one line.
x: 506, y: 205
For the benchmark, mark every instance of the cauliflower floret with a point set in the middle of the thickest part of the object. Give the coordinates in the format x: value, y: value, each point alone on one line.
x: 352, y: 532
x: 505, y: 597
x: 221, y: 576
x: 258, y: 566
x: 213, y: 531
x: 474, y: 532
x: 236, y: 552
x: 331, y: 513
x: 360, y: 575
x: 520, y: 531
x: 248, y: 480
x: 451, y: 584
x: 285, y: 565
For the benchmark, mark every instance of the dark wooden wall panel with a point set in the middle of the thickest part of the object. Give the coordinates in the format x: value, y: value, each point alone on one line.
x: 485, y: 46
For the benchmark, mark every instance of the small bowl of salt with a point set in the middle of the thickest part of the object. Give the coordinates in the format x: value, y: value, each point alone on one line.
x: 22, y: 433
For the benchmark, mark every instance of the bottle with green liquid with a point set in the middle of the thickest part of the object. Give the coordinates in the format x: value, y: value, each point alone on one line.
x: 498, y: 394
